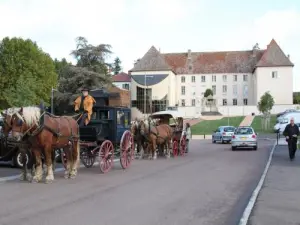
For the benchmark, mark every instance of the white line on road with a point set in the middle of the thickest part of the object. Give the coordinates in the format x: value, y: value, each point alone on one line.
x: 248, y: 209
x: 14, y: 177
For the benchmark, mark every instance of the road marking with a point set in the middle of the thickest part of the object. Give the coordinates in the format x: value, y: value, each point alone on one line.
x: 247, y: 212
x: 14, y: 177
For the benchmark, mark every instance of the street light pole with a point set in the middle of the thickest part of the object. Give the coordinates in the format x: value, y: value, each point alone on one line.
x: 145, y: 91
x: 52, y: 101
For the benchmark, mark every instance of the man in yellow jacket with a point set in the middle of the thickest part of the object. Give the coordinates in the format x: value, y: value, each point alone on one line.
x: 84, y: 104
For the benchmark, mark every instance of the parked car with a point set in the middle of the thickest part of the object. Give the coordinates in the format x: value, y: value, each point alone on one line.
x: 286, y: 111
x: 223, y: 134
x: 285, y: 119
x: 244, y: 137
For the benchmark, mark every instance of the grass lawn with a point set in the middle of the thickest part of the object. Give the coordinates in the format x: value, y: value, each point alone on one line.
x: 256, y: 124
x: 208, y: 126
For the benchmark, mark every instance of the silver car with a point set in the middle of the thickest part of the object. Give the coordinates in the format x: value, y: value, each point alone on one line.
x: 244, y: 137
x: 223, y: 134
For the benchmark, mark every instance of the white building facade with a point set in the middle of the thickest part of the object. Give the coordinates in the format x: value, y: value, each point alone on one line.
x: 237, y: 78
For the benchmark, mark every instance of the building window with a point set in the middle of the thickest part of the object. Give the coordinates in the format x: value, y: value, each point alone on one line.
x: 214, y: 78
x: 245, y: 91
x: 193, y: 102
x: 214, y: 89
x: 202, y: 78
x: 224, y: 101
x: 125, y: 86
x: 193, y: 79
x: 245, y: 77
x: 182, y: 90
x: 182, y: 79
x: 234, y: 77
x: 245, y: 101
x: 234, y: 101
x: 274, y: 74
x: 234, y: 89
x: 182, y: 102
x: 224, y: 88
x: 190, y: 68
x: 224, y: 78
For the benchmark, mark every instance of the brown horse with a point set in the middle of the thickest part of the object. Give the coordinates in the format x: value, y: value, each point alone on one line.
x: 46, y: 132
x: 156, y: 135
x: 139, y: 140
x: 7, y: 116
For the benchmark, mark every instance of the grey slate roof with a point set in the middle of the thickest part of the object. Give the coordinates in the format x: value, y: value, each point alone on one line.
x: 151, y: 61
x: 274, y: 56
x: 151, y: 79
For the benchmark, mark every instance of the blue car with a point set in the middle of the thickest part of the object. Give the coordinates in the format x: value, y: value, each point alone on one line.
x: 223, y: 134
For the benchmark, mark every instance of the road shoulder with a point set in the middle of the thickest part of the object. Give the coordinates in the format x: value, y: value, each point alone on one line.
x: 278, y: 201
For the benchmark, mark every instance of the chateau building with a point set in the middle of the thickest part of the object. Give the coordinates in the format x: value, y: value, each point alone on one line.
x: 159, y: 80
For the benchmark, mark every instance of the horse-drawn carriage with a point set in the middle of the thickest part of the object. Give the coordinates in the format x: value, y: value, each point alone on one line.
x: 107, y: 136
x: 175, y: 120
x: 159, y: 132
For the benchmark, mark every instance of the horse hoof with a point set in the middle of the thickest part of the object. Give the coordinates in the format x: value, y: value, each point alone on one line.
x: 35, y: 180
x: 66, y: 176
x: 72, y: 176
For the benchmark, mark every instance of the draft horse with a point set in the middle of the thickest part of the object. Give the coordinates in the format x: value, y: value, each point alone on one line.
x: 156, y: 135
x: 139, y: 139
x: 28, y: 163
x: 46, y: 132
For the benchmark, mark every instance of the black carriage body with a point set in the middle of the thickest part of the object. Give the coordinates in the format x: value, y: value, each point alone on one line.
x: 107, y: 123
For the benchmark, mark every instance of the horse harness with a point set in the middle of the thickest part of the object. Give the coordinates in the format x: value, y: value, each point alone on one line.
x: 56, y: 133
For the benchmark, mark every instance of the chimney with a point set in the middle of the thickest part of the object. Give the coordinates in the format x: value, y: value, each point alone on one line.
x: 288, y: 56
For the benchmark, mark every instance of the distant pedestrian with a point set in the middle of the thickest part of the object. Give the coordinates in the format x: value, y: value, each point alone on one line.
x: 291, y: 133
x: 188, y: 134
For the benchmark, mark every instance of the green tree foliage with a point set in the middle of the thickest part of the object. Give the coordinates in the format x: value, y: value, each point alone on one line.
x: 60, y: 65
x: 27, y: 74
x: 117, y: 66
x: 208, y: 92
x: 266, y: 103
x: 92, y: 57
x: 265, y: 106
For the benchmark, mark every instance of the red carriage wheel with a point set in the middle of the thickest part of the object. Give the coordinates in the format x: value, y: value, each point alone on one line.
x: 126, y: 149
x: 182, y: 146
x: 106, y: 154
x: 175, y: 148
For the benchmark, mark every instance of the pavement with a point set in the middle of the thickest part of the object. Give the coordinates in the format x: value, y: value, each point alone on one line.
x: 278, y: 201
x: 209, y: 186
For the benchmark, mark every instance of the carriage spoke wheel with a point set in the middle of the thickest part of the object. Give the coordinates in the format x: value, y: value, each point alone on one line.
x: 87, y: 157
x: 182, y: 146
x: 126, y: 149
x: 106, y: 154
x: 175, y: 148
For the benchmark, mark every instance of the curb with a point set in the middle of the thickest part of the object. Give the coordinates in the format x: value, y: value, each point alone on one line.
x: 15, y: 177
x: 247, y: 212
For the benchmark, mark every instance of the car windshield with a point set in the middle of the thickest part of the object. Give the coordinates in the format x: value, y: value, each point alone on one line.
x: 228, y: 129
x: 244, y: 130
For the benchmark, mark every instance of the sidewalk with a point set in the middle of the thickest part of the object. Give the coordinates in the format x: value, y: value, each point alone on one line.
x: 279, y: 200
x: 247, y: 121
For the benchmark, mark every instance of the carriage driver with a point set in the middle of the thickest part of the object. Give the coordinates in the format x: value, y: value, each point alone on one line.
x: 84, y: 104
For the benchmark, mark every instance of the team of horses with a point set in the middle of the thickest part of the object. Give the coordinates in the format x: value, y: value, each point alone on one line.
x: 43, y: 132
x: 149, y: 136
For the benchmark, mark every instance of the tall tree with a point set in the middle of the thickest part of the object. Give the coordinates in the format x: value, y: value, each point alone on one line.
x: 60, y: 65
x: 91, y: 57
x: 208, y: 92
x: 27, y: 74
x: 117, y: 66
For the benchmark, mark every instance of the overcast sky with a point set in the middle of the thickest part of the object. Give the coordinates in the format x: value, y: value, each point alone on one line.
x: 133, y: 26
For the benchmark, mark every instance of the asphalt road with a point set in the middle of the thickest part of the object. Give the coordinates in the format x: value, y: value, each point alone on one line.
x: 210, y: 186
